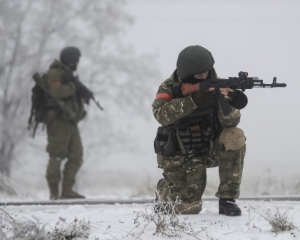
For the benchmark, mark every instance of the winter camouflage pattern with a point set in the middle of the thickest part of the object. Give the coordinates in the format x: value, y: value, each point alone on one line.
x: 185, y: 175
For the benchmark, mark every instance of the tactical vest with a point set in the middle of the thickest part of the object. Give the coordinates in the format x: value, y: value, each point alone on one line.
x: 179, y: 136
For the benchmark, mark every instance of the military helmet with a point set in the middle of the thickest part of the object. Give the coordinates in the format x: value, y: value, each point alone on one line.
x: 70, y: 55
x: 192, y: 60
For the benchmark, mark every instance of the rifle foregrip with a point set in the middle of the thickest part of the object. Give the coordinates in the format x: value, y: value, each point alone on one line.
x: 240, y: 100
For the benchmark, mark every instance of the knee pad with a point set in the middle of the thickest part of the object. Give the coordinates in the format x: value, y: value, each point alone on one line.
x: 232, y: 138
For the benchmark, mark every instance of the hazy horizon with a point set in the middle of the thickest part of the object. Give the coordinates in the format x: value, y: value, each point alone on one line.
x: 260, y: 37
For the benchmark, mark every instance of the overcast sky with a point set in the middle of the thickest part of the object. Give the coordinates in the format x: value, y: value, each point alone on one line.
x: 261, y: 37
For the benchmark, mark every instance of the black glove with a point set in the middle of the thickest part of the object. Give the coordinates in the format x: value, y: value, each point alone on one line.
x: 237, y: 99
x: 204, y: 98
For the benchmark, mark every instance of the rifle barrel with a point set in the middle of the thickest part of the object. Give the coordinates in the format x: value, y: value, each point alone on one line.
x: 97, y: 103
x: 271, y: 85
x: 239, y: 83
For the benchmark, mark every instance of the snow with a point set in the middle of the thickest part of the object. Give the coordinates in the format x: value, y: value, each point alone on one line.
x: 257, y: 36
x: 117, y: 221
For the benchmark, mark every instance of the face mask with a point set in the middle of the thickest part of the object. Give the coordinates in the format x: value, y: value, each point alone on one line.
x: 192, y: 80
x: 72, y: 66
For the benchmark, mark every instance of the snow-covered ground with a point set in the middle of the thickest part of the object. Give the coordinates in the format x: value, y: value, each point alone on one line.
x: 256, y: 36
x: 117, y: 221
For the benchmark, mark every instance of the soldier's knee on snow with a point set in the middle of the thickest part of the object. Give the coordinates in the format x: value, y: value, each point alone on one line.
x: 232, y: 138
x: 189, y: 208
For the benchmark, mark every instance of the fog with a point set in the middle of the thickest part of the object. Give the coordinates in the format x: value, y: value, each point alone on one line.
x: 260, y: 37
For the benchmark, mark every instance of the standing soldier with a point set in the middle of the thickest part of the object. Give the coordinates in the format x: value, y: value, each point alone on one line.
x: 64, y: 141
x: 195, y: 135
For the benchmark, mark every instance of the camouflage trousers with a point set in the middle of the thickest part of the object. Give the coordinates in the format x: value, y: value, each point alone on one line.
x: 64, y: 141
x: 185, y: 175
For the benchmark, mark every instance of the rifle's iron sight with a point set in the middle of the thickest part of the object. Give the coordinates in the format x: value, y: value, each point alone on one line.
x: 278, y: 84
x: 255, y: 82
x: 274, y: 84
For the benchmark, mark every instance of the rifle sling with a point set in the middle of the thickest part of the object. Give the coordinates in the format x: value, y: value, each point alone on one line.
x: 183, y: 151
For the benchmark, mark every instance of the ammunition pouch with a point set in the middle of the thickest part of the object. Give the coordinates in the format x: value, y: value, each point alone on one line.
x: 172, y: 139
x: 196, y: 140
x: 169, y: 141
x: 165, y: 142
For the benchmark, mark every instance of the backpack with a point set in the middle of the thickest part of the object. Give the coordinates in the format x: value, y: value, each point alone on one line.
x: 38, y: 107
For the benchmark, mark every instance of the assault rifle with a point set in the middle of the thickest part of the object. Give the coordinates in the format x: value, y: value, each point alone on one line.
x: 241, y: 82
x: 85, y: 93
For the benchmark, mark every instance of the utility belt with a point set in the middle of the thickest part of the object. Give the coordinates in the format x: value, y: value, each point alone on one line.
x: 169, y: 141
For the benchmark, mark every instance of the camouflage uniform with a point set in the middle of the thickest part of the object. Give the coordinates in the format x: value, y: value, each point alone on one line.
x: 185, y: 174
x: 64, y: 141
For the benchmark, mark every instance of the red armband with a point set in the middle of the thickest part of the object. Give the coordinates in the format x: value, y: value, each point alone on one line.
x: 55, y: 84
x: 166, y: 96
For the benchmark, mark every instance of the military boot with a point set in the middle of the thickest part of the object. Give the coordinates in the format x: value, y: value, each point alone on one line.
x: 228, y: 207
x: 53, y: 186
x: 67, y: 192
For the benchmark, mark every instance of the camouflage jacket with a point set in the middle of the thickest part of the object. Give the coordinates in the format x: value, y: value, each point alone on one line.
x: 59, y: 81
x: 167, y: 109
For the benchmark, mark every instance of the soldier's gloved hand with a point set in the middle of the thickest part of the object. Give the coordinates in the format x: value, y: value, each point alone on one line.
x: 228, y: 93
x: 204, y: 98
x: 235, y: 98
